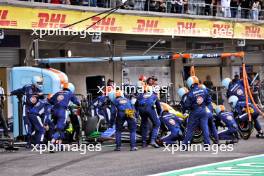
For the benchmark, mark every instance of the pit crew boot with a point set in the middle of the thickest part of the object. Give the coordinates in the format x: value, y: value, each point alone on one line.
x: 232, y: 141
x: 144, y: 145
x: 117, y: 149
x: 260, y: 134
x: 134, y: 149
x: 154, y: 144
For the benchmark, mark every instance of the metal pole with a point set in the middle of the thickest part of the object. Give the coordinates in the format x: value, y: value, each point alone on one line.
x: 20, y: 115
x: 36, y: 48
x: 151, y: 47
x: 148, y: 4
x: 217, y: 95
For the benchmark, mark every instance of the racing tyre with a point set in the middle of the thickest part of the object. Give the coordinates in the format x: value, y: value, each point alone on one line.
x: 197, y: 136
x: 90, y: 125
x: 245, y: 129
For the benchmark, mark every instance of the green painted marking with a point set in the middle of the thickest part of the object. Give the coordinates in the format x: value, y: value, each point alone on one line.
x: 248, y: 166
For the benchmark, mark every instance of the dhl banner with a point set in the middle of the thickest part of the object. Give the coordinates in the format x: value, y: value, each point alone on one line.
x: 33, y: 18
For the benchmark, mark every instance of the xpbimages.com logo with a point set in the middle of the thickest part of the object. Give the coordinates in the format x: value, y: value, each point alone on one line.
x: 214, y: 148
x: 81, y: 148
x: 131, y: 89
x: 64, y: 32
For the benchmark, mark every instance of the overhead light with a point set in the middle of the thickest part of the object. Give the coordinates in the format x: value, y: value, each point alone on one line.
x: 32, y: 53
x: 162, y: 41
x: 107, y: 42
x: 69, y: 53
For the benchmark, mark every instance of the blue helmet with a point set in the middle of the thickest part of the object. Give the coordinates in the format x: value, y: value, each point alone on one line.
x: 37, y: 81
x: 202, y: 86
x: 182, y: 91
x: 226, y: 82
x: 233, y: 101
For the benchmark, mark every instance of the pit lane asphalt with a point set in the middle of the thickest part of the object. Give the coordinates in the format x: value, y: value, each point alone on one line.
x: 109, y: 163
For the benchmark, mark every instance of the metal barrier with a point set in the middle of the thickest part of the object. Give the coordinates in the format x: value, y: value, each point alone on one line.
x: 192, y: 7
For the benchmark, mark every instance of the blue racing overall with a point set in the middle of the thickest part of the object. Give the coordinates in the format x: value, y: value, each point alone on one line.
x: 149, y: 107
x: 197, y: 101
x: 125, y: 112
x: 28, y: 91
x: 228, y: 119
x: 61, y: 100
x: 173, y: 123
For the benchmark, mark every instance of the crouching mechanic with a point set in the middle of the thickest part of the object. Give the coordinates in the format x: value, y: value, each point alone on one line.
x: 125, y: 112
x: 173, y: 124
x: 197, y: 101
x: 28, y: 91
x: 149, y: 107
x: 60, y: 102
x: 231, y: 134
x: 235, y: 87
x: 36, y: 110
x: 240, y: 108
x: 102, y: 109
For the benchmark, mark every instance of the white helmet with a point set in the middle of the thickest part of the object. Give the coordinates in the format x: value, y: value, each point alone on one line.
x: 133, y: 100
x: 219, y: 108
x: 192, y: 80
x: 202, y: 86
x: 37, y: 81
x: 226, y: 82
x: 115, y: 94
x: 69, y: 86
x: 182, y: 91
x: 233, y: 101
x: 111, y: 96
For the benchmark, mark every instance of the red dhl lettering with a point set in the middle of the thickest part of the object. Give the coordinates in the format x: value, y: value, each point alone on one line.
x: 252, y: 31
x: 4, y: 19
x: 50, y: 21
x: 106, y: 24
x: 148, y: 26
x: 186, y: 25
x: 186, y: 28
x: 3, y: 14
